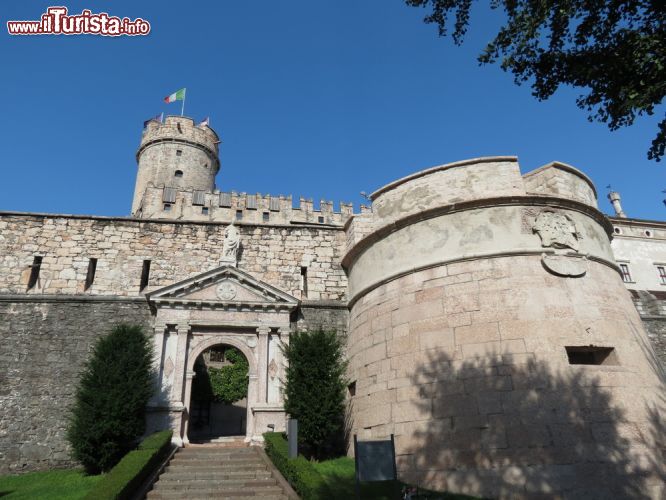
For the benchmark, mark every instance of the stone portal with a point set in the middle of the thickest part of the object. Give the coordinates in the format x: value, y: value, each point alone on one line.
x: 222, y: 306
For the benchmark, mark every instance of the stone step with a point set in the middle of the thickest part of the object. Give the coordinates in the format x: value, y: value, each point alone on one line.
x: 194, y: 484
x: 236, y: 490
x: 226, y: 452
x: 207, y: 467
x: 179, y: 474
x: 223, y: 452
x: 248, y: 495
x: 215, y: 460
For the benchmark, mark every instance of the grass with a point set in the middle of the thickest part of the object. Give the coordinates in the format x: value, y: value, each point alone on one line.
x: 340, y: 478
x: 50, y: 485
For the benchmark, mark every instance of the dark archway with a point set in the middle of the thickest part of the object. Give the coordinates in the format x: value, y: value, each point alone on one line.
x: 218, y: 401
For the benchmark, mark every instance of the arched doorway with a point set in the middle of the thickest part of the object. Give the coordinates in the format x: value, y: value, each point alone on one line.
x: 219, y: 394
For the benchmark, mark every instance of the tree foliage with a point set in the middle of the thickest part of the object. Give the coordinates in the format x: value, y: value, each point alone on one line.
x: 222, y: 385
x: 616, y: 49
x: 108, y: 415
x: 314, y: 390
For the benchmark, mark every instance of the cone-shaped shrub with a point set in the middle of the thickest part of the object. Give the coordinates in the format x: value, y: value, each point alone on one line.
x: 314, y: 391
x: 108, y: 415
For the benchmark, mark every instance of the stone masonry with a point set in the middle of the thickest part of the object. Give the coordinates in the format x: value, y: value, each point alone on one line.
x: 486, y: 322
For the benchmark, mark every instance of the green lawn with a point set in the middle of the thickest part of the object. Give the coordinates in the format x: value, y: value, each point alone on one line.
x: 50, y: 485
x: 340, y: 479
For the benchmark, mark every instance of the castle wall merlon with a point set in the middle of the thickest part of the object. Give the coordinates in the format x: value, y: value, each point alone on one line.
x: 563, y: 181
x: 448, y: 184
x: 446, y: 166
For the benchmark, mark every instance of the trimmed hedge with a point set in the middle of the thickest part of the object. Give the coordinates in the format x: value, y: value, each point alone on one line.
x: 128, y: 475
x: 300, y: 473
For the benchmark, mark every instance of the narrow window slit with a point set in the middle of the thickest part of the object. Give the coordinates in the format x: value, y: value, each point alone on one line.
x: 90, y: 275
x: 304, y: 281
x: 145, y: 275
x: 34, y: 271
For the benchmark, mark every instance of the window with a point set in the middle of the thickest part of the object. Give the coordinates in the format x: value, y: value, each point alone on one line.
x: 266, y: 216
x: 304, y: 281
x: 617, y: 230
x: 662, y: 274
x: 321, y: 219
x: 648, y: 233
x: 626, y: 275
x: 239, y: 215
x: 591, y: 355
x: 204, y: 210
x: 167, y: 207
x: 90, y: 276
x: 34, y: 271
x: 178, y: 173
x: 352, y: 389
x: 179, y: 152
x: 145, y: 275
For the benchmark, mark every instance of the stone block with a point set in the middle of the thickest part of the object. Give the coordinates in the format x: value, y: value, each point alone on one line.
x: 477, y: 333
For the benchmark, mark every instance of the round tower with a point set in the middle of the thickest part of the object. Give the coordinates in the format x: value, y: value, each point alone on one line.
x: 491, y: 334
x: 178, y: 154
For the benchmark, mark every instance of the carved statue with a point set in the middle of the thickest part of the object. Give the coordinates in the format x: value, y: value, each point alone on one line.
x: 556, y: 230
x: 231, y: 242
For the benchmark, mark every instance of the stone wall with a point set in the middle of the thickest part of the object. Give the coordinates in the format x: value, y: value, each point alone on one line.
x: 177, y: 250
x: 656, y: 331
x: 324, y: 315
x: 466, y: 365
x: 45, y: 342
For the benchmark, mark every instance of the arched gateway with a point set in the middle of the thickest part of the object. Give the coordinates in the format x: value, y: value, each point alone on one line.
x: 222, y: 306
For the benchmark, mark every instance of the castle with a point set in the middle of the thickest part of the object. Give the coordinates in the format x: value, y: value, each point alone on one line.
x: 486, y: 320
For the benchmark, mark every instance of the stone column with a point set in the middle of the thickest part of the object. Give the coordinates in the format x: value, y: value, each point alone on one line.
x: 282, y: 363
x: 183, y: 330
x: 252, y: 398
x: 158, y: 340
x: 177, y: 396
x: 189, y: 375
x: 262, y: 363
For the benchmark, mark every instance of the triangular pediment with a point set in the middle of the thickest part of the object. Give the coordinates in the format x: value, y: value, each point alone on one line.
x: 220, y: 287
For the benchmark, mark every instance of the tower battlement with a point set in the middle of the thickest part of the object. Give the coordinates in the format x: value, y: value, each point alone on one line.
x: 164, y: 202
x: 179, y: 129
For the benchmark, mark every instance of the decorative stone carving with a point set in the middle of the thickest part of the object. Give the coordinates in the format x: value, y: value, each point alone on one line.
x: 251, y: 342
x: 272, y: 369
x: 168, y: 367
x: 226, y: 290
x: 556, y: 230
x: 230, y: 245
x: 561, y: 265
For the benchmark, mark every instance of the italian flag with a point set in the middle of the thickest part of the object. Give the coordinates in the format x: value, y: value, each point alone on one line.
x: 179, y: 95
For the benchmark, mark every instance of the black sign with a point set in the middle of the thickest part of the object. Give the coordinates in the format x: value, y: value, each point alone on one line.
x: 375, y: 460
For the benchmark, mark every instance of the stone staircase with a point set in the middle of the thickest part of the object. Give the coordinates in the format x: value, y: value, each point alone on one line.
x: 229, y: 472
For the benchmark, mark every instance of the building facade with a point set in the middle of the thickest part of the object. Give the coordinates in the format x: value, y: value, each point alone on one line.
x: 486, y: 321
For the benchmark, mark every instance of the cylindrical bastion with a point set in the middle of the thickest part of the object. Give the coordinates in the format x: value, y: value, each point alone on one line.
x: 491, y: 333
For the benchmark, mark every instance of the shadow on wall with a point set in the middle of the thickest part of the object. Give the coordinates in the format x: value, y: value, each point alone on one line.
x: 524, y: 430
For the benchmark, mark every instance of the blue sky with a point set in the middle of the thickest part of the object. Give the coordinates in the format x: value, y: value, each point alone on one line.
x: 321, y: 99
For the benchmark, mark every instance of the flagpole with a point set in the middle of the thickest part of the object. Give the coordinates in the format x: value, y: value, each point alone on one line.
x: 182, y: 109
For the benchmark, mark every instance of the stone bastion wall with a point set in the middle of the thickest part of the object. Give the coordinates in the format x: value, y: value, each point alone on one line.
x: 473, y: 292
